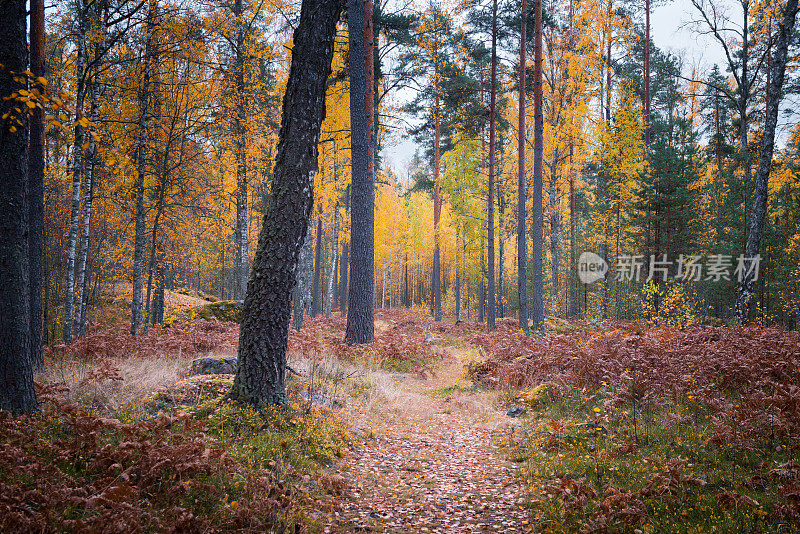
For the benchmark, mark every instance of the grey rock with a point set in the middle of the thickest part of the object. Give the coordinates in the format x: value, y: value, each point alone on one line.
x: 516, y: 411
x: 429, y: 337
x: 211, y: 365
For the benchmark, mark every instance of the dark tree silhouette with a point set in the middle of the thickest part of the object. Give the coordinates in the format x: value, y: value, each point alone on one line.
x: 17, y: 394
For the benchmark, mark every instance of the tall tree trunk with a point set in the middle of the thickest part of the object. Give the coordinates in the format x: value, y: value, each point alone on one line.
x: 406, y: 296
x: 481, y: 286
x: 316, y: 292
x: 154, y: 242
x: 537, y: 304
x: 334, y: 259
x: 491, y: 309
x: 361, y: 291
x: 17, y: 394
x: 458, y: 279
x: 263, y: 336
x: 77, y: 170
x: 759, y: 211
x: 436, y: 281
x: 646, y: 76
x: 239, y: 130
x: 36, y: 189
x: 573, y: 290
x: 573, y: 297
x: 555, y: 229
x: 83, y: 252
x: 501, y: 248
x: 522, y: 244
x: 140, y: 231
x: 88, y: 194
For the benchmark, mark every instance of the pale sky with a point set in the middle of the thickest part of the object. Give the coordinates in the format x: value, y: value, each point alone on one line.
x: 672, y: 31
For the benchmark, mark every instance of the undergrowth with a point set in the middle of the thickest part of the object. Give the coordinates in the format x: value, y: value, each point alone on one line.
x: 655, y: 430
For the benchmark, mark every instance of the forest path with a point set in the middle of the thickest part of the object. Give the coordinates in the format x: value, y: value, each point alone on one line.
x: 434, y: 461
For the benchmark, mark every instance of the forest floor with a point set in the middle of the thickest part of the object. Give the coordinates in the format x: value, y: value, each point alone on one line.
x: 434, y: 461
x: 625, y: 428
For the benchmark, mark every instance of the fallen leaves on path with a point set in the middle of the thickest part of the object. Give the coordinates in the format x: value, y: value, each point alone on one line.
x: 434, y: 465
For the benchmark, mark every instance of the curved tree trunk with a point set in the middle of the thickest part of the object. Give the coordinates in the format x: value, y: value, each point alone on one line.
x: 260, y: 374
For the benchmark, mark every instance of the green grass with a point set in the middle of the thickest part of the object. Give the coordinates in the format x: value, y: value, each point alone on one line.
x: 587, y: 468
x: 276, y: 437
x: 452, y: 390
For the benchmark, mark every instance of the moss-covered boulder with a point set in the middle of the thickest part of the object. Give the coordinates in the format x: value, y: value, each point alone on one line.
x: 223, y: 310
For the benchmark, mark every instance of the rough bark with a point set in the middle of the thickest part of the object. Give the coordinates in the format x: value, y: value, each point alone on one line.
x: 760, y: 193
x: 263, y: 336
x: 361, y: 291
x: 537, y: 304
x: 36, y: 188
x: 522, y: 244
x: 17, y: 393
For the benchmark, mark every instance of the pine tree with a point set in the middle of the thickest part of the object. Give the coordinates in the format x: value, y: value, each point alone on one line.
x: 360, y: 315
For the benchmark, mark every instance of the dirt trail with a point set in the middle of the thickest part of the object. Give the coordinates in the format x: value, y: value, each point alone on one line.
x: 434, y: 463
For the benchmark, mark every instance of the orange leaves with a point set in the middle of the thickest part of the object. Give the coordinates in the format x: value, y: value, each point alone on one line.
x: 73, y: 471
x: 704, y: 367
